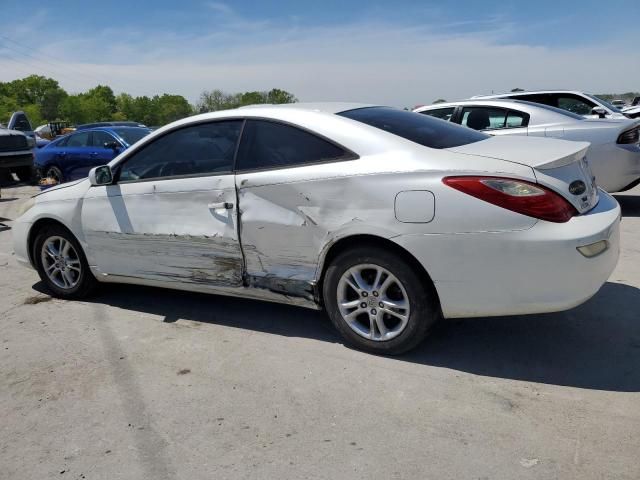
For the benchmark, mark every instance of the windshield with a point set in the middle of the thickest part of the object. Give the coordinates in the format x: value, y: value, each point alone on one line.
x: 422, y: 129
x: 613, y: 108
x: 132, y: 134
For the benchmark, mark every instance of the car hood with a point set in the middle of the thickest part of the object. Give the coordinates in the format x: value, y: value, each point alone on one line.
x: 65, y: 191
x: 7, y: 131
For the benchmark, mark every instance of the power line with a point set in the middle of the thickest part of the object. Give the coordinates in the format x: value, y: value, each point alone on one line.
x: 38, y: 68
x: 41, y: 58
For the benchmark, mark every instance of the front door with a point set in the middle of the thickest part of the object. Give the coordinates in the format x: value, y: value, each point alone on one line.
x: 171, y: 214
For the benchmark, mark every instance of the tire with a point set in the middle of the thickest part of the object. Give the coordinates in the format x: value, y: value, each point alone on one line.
x: 419, y: 309
x: 24, y: 174
x: 77, y: 281
x: 55, y: 173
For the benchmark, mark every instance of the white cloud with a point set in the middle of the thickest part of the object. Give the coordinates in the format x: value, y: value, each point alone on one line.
x: 368, y: 61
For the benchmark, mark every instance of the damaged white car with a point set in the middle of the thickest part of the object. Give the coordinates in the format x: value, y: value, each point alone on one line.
x: 387, y: 219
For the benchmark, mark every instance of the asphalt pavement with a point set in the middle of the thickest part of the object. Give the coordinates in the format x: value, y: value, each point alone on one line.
x: 144, y: 383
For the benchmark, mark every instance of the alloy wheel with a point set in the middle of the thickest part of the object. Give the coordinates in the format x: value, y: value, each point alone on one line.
x: 373, y: 302
x: 61, y: 262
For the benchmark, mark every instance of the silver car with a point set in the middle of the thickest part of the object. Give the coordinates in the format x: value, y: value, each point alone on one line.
x: 614, y: 155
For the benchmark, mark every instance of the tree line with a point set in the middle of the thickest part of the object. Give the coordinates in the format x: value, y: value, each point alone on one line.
x: 44, y: 100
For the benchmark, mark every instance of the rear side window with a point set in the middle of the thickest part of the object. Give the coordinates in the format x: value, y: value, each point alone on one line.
x: 78, y: 140
x: 100, y: 138
x: 202, y: 149
x: 482, y: 118
x: 543, y: 98
x: 421, y: 129
x: 268, y: 144
x: 441, y: 113
x: 517, y: 119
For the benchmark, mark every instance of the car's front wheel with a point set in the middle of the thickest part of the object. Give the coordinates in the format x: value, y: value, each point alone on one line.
x: 378, y: 301
x: 61, y: 263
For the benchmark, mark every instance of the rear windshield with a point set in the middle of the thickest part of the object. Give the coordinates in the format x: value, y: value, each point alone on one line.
x: 422, y: 129
x: 131, y: 135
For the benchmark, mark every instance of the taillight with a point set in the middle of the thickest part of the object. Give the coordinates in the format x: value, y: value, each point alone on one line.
x: 518, y: 196
x: 630, y: 136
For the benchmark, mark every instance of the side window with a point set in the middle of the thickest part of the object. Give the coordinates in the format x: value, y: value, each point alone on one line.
x: 63, y: 141
x: 100, y: 138
x: 482, y: 118
x: 442, y: 113
x: 269, y: 144
x: 517, y: 119
x: 202, y: 149
x: 543, y: 98
x: 78, y: 140
x: 575, y: 104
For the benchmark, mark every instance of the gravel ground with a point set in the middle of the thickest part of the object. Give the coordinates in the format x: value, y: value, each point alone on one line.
x: 142, y: 383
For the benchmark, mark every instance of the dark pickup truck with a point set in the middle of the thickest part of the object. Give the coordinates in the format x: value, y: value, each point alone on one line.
x: 16, y: 153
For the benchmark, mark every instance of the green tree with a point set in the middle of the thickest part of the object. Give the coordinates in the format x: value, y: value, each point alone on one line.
x: 277, y: 96
x: 169, y: 108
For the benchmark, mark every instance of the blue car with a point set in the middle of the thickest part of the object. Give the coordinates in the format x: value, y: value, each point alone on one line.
x: 72, y: 156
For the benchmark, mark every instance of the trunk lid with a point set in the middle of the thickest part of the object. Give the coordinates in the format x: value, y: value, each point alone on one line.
x: 560, y: 165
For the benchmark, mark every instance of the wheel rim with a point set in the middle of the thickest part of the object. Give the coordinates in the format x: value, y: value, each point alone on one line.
x: 373, y: 302
x: 61, y: 262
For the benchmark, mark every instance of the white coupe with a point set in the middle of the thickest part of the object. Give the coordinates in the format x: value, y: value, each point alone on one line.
x: 387, y: 219
x: 614, y: 155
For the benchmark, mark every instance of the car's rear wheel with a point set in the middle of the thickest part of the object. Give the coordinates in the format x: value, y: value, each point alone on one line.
x: 54, y: 173
x: 378, y: 301
x: 61, y: 263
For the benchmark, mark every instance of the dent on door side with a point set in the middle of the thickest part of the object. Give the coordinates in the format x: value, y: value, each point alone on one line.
x: 285, y: 227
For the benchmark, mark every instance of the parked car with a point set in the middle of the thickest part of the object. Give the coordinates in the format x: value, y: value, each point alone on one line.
x: 619, y: 104
x: 632, y: 111
x: 16, y: 153
x: 110, y: 124
x: 385, y: 218
x: 614, y: 155
x: 72, y: 156
x: 573, y: 101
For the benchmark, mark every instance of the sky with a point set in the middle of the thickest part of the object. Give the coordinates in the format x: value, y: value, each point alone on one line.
x: 399, y: 53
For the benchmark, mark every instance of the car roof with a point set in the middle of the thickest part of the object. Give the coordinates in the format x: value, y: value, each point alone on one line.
x: 325, y: 107
x: 497, y: 102
x: 526, y: 92
x: 114, y: 127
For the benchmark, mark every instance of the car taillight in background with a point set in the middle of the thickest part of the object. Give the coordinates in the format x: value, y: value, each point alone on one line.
x: 630, y: 136
x: 519, y: 196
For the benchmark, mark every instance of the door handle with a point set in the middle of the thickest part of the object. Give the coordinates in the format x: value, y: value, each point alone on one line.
x: 221, y: 205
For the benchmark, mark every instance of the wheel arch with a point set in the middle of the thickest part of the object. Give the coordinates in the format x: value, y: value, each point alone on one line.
x: 36, y: 228
x: 361, y: 240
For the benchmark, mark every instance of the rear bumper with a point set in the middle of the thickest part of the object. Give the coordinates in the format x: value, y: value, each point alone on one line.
x: 531, y: 271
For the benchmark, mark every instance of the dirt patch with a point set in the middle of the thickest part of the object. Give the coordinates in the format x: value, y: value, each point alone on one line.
x: 36, y: 299
x: 184, y: 371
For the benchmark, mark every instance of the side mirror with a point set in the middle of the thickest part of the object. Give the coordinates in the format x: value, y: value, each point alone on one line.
x: 601, y: 112
x: 115, y: 146
x: 100, y: 176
